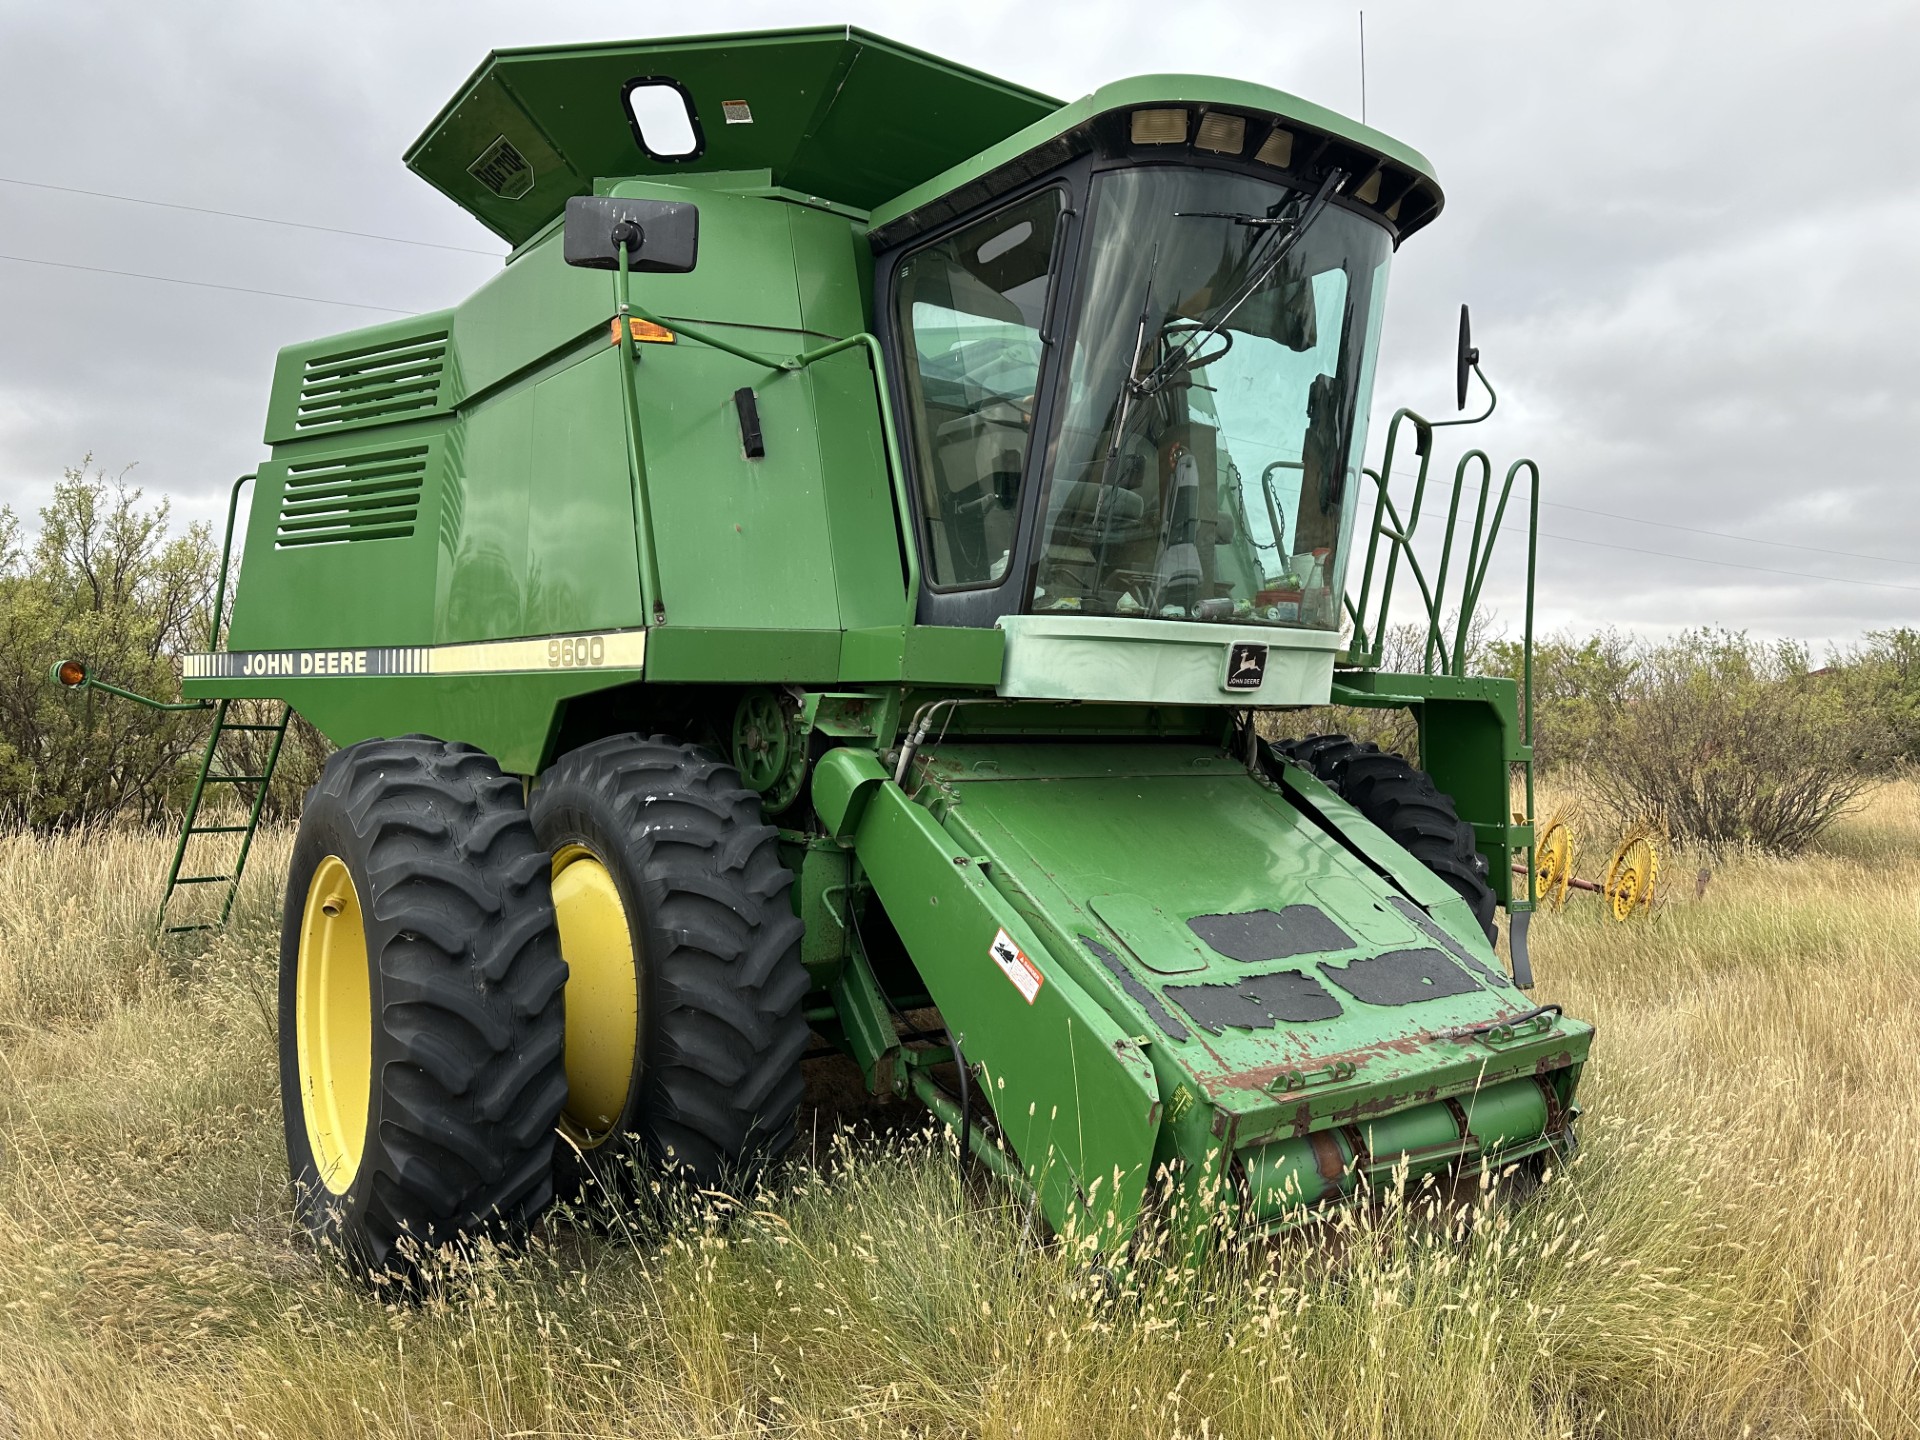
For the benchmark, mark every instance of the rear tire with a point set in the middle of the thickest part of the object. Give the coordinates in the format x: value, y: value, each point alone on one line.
x: 420, y: 1005
x: 718, y: 1019
x: 1403, y: 801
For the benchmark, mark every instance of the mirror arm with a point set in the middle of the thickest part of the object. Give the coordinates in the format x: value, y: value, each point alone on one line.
x: 636, y: 456
x: 1493, y: 399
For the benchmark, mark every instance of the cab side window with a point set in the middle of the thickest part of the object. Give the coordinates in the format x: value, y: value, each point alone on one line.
x: 969, y: 308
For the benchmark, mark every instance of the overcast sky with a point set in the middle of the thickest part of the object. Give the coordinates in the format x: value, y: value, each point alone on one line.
x: 1690, y: 234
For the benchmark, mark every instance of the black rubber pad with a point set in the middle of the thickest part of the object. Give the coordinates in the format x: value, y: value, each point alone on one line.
x: 1401, y: 977
x: 1137, y: 991
x: 1257, y: 935
x: 1438, y: 932
x: 1257, y: 1003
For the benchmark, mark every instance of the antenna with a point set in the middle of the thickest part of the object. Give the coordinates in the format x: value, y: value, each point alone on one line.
x: 1363, y: 67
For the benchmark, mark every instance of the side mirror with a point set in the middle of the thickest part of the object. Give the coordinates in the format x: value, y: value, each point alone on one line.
x: 1463, y: 361
x: 662, y: 236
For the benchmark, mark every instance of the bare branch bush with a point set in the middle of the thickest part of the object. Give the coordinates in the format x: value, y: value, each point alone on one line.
x: 1733, y: 742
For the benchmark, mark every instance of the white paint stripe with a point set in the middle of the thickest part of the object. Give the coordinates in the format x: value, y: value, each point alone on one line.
x: 621, y: 650
x: 597, y: 650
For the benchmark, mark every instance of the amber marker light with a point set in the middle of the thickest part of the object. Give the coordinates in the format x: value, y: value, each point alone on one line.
x: 644, y: 332
x: 70, y: 673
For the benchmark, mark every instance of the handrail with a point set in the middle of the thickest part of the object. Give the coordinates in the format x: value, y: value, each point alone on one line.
x: 1423, y: 447
x: 1451, y: 660
x: 226, y: 554
x: 1441, y: 653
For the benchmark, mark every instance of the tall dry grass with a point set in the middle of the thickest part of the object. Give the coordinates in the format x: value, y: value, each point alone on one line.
x: 1735, y: 1252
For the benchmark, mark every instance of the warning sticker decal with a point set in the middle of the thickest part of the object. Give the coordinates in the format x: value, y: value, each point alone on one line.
x: 1013, y: 962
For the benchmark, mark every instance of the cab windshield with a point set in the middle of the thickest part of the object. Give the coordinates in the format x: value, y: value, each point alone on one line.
x: 1220, y: 369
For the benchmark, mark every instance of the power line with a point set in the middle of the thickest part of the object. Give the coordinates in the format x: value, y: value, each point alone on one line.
x: 1728, y: 535
x: 205, y: 284
x: 1703, y: 560
x: 1730, y: 564
x: 1696, y: 530
x: 256, y: 219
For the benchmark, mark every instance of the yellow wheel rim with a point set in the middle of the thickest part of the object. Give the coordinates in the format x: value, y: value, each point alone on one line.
x: 333, y: 1024
x: 1631, y: 876
x: 1553, y: 864
x: 603, y: 994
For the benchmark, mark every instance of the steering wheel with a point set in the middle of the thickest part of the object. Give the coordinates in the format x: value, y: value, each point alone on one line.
x: 1177, y: 330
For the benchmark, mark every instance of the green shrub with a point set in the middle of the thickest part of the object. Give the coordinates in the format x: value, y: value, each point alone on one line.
x: 1579, y: 685
x: 1730, y: 741
x: 1882, y: 674
x: 106, y: 583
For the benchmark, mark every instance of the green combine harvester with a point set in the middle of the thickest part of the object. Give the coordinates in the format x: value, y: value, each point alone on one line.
x: 825, y: 585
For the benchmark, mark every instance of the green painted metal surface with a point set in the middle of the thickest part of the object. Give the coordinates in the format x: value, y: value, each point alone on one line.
x: 1109, y: 855
x: 511, y: 717
x: 1064, y: 132
x: 1071, y: 1087
x: 1168, y: 662
x: 834, y: 112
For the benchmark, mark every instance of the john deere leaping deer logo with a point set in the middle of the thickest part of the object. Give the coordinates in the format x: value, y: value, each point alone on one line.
x: 1246, y: 667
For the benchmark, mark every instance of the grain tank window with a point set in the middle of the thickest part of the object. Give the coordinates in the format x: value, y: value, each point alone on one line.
x: 969, y: 308
x: 662, y: 117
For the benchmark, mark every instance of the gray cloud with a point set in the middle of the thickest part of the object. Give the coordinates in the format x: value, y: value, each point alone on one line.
x: 1685, y: 232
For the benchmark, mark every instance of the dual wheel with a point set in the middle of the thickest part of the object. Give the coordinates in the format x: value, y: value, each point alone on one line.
x: 482, y: 998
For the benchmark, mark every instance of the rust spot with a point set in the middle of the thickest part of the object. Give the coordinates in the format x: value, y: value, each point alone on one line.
x: 1262, y: 1076
x: 1386, y: 1104
x: 1327, y: 1158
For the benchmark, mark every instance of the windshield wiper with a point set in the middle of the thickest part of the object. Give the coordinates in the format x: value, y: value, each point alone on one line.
x: 1241, y: 217
x: 1132, y: 388
x: 1158, y: 376
x: 1104, y: 505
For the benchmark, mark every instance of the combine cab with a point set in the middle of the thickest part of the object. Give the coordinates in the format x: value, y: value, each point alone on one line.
x: 836, y: 570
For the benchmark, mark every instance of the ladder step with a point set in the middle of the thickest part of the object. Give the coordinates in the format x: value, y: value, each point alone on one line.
x: 189, y: 827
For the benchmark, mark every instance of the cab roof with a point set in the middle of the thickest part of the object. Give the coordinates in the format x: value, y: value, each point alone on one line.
x: 1193, y: 118
x: 831, y: 112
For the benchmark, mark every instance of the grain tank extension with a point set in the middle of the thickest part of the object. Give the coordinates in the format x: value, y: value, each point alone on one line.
x: 832, y: 574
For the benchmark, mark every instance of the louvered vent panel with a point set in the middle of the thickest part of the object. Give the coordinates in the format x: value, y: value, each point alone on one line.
x: 371, y: 496
x: 395, y: 381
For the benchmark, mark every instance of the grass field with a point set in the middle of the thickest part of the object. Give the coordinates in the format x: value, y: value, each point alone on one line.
x: 1736, y: 1251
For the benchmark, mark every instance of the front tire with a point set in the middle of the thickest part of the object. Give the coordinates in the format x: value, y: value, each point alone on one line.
x: 685, y: 1019
x: 421, y: 1021
x: 1403, y: 801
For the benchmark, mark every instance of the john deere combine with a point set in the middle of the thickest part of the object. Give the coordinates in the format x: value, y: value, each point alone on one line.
x: 833, y: 571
